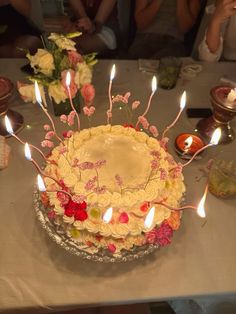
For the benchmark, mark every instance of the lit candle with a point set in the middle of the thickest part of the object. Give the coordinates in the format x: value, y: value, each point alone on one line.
x: 148, y: 222
x: 42, y: 187
x: 112, y: 75
x: 108, y: 215
x: 182, y: 106
x: 214, y: 141
x: 187, y: 144
x: 11, y: 132
x: 154, y: 88
x: 29, y: 158
x: 39, y: 101
x: 200, y: 209
x: 68, y: 81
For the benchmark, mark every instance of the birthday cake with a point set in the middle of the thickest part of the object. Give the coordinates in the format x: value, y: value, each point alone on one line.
x: 115, y: 184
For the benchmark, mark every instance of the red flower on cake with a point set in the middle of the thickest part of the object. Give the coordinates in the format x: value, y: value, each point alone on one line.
x: 69, y: 212
x: 81, y: 215
x: 63, y: 198
x: 161, y: 235
x: 144, y: 207
x: 124, y: 218
x: 111, y: 247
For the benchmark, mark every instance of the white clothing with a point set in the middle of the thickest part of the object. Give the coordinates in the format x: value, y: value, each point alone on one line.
x: 227, y: 48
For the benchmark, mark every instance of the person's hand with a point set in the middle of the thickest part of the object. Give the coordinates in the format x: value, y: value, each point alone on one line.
x: 85, y: 25
x: 68, y: 26
x: 224, y: 10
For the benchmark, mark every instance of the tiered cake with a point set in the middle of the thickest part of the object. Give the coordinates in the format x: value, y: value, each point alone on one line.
x: 115, y: 176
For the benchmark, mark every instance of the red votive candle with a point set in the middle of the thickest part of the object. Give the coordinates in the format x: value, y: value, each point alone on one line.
x: 183, y: 149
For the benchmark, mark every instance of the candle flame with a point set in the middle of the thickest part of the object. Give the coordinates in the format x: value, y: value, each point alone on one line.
x: 37, y: 93
x: 8, y: 125
x: 183, y: 100
x: 149, y: 218
x: 41, y: 185
x: 113, y: 72
x: 27, y: 152
x: 154, y: 84
x: 68, y: 79
x: 200, y: 209
x: 108, y: 215
x: 216, y: 137
x: 188, y: 142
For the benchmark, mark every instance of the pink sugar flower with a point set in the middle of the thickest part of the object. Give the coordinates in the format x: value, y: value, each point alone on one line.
x: 170, y: 160
x: 111, y: 247
x: 49, y: 135
x: 151, y: 237
x: 118, y: 179
x: 88, y: 111
x: 87, y: 165
x: 63, y: 198
x: 78, y: 198
x: 63, y: 150
x: 154, y: 131
x: 75, y: 162
x: 135, y: 104
x: 70, y: 118
x: 90, y: 185
x: 154, y: 164
x: 144, y: 122
x: 73, y: 87
x: 126, y: 97
x: 74, y: 58
x: 51, y: 214
x: 100, y: 163
x: 164, y: 234
x: 177, y: 171
x: 100, y: 190
x: 155, y: 154
x: 47, y: 143
x: 63, y: 118
x: 88, y: 93
x: 163, y: 174
x: 47, y: 127
x: 163, y: 143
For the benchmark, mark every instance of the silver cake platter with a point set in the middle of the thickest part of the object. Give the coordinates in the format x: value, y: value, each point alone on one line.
x: 58, y: 234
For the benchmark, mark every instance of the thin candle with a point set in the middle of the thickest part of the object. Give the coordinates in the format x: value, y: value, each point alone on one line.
x: 42, y: 187
x: 68, y: 81
x: 39, y: 101
x: 11, y: 132
x: 112, y: 75
x: 29, y: 158
x: 182, y: 106
x: 154, y: 88
x: 214, y: 141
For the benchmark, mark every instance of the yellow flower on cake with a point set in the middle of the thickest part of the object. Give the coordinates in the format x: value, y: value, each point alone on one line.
x: 42, y: 62
x: 57, y: 92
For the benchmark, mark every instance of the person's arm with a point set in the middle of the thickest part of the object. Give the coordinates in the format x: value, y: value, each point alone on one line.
x: 145, y: 12
x: 187, y: 13
x: 104, y: 11
x: 77, y: 8
x: 224, y: 10
x: 22, y: 6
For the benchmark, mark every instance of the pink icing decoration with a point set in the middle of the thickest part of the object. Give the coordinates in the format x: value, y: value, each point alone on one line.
x: 111, y: 247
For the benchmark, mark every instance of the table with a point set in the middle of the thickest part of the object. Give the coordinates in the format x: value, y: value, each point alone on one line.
x: 36, y: 274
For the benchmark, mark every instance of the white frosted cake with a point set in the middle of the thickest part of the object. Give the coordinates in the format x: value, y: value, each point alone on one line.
x: 114, y: 175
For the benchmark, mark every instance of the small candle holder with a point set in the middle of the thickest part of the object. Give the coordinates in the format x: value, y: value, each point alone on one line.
x: 224, y: 110
x: 6, y: 90
x: 182, y: 148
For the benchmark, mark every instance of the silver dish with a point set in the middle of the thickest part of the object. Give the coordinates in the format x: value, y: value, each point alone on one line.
x: 58, y: 234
